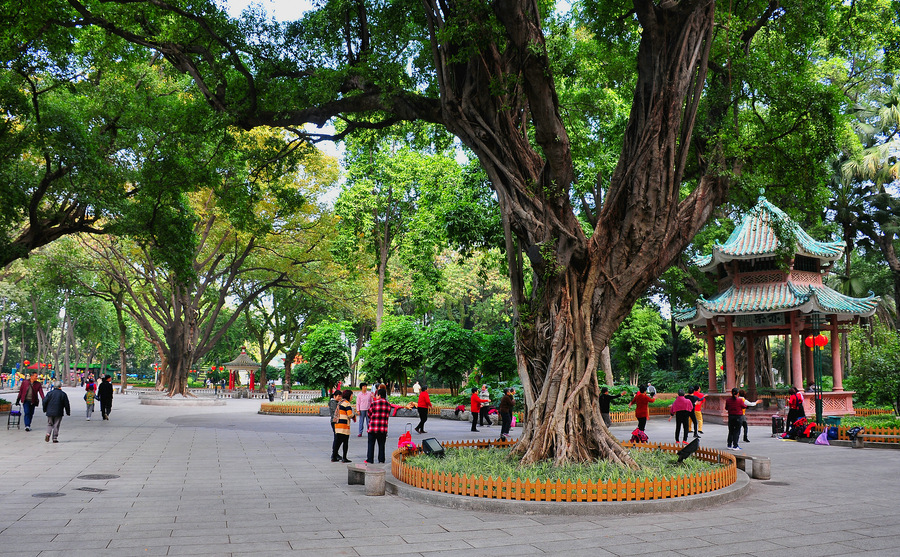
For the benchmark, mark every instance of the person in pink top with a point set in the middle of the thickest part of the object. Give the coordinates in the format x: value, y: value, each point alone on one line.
x: 363, y: 401
x: 681, y: 409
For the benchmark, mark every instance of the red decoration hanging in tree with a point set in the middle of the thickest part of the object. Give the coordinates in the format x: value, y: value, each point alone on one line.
x: 821, y: 341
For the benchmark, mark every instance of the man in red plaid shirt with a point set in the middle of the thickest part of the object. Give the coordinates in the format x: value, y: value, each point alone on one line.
x: 379, y: 412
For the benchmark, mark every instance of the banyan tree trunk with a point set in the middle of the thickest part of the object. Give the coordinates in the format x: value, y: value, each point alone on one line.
x: 502, y: 103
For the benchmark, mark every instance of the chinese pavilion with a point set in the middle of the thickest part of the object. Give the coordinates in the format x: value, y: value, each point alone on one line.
x: 767, y: 289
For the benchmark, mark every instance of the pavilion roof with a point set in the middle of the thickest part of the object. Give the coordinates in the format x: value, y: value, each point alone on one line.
x: 776, y: 297
x: 243, y: 361
x: 756, y: 236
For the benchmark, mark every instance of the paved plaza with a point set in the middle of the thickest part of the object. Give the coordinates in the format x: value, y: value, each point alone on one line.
x: 226, y: 481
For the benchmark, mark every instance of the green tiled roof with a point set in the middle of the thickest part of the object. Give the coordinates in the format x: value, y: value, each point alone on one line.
x: 776, y: 297
x: 755, y: 237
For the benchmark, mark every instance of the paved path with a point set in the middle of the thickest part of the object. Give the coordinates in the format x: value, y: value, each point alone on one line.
x: 226, y: 481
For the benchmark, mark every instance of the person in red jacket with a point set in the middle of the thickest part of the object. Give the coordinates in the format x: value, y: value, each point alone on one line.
x: 477, y: 401
x: 735, y: 407
x: 642, y: 402
x: 423, y: 405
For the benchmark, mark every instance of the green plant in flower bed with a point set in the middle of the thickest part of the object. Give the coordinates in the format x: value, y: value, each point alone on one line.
x: 878, y: 420
x: 3, y: 401
x: 497, y: 463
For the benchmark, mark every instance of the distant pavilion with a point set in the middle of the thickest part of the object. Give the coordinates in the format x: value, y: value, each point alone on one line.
x: 764, y: 289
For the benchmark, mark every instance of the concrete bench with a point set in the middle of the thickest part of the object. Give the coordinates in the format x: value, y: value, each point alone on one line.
x: 371, y: 477
x: 860, y: 440
x: 760, y: 467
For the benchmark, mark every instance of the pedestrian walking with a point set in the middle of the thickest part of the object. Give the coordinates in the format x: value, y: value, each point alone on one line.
x: 475, y: 407
x: 364, y: 400
x: 55, y: 403
x: 651, y: 390
x: 506, y: 409
x: 696, y: 402
x: 89, y: 400
x: 735, y: 407
x: 270, y: 391
x: 681, y: 410
x: 422, y: 406
x: 605, y: 400
x: 105, y: 394
x: 344, y: 414
x: 29, y: 391
x: 641, y: 402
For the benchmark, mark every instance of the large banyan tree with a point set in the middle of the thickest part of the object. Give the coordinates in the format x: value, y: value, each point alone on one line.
x: 481, y: 69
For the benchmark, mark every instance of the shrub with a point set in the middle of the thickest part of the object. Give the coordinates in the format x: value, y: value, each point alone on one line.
x: 497, y: 463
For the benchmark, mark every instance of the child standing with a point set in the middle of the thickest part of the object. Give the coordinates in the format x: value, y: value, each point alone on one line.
x: 89, y: 399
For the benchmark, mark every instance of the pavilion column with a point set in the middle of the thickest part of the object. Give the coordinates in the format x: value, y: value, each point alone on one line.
x: 837, y: 370
x: 711, y: 355
x: 729, y: 353
x: 810, y: 373
x: 796, y: 363
x: 751, y: 367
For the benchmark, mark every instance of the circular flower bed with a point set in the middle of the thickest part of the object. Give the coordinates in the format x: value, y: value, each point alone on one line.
x: 679, y: 485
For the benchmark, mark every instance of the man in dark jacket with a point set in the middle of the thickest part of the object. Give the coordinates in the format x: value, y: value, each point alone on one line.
x: 105, y: 394
x: 55, y: 403
x: 506, y: 408
x: 29, y: 391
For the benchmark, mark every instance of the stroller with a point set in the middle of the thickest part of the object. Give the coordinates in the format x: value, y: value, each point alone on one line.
x: 15, y: 415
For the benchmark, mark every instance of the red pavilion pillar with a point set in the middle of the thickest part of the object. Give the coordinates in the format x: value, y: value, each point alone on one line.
x: 796, y: 362
x: 750, y: 380
x: 810, y: 373
x: 837, y: 370
x: 729, y: 353
x: 711, y: 355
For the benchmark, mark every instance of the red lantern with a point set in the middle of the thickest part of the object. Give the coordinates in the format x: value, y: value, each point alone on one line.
x: 821, y: 341
x: 26, y: 362
x: 213, y: 368
x: 808, y: 341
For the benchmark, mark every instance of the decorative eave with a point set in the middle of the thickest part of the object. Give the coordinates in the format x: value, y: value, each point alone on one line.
x: 755, y: 237
x: 776, y: 298
x: 243, y: 361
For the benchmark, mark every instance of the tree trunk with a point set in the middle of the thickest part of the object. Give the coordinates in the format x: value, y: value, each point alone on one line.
x: 582, y: 287
x: 606, y: 366
x: 123, y: 337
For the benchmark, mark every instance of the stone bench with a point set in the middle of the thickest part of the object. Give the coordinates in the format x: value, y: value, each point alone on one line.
x: 760, y: 467
x: 371, y: 477
x: 860, y: 440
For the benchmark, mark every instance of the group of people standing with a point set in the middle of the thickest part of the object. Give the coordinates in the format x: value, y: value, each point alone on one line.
x: 372, y: 409
x: 56, y: 402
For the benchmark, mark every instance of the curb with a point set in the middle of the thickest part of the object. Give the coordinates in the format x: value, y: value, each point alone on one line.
x: 692, y: 502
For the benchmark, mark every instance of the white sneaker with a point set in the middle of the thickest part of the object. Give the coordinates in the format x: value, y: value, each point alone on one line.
x: 88, y: 419
x: 27, y: 429
x: 738, y: 448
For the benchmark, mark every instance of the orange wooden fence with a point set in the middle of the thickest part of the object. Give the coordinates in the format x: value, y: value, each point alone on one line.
x: 842, y: 433
x: 313, y: 409
x: 272, y: 408
x: 872, y: 411
x: 568, y: 491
